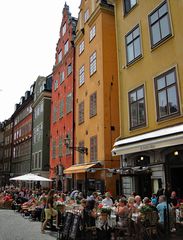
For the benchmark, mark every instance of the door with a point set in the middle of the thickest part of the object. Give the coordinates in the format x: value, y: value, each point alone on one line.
x: 177, y: 180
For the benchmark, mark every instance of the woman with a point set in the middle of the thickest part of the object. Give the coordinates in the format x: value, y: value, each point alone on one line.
x: 122, y: 212
x: 49, y: 210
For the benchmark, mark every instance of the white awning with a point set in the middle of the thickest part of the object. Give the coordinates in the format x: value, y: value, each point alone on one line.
x: 165, y: 137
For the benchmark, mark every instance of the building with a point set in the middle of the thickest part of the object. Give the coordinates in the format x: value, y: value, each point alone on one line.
x: 62, y: 110
x: 7, y: 155
x: 22, y: 135
x: 96, y: 98
x: 41, y: 109
x: 149, y: 38
x: 2, y: 183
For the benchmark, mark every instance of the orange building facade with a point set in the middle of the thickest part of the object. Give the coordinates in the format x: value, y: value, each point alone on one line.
x: 96, y: 98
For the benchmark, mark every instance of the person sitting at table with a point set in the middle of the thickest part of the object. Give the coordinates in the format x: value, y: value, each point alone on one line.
x: 107, y: 201
x: 103, y: 225
x: 122, y: 212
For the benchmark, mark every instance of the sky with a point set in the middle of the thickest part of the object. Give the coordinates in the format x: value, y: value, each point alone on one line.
x: 29, y: 34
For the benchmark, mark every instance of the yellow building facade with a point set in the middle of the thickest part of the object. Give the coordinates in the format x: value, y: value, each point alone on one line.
x: 96, y: 98
x: 149, y: 38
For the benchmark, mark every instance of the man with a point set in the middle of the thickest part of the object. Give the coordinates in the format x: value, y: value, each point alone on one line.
x: 107, y: 201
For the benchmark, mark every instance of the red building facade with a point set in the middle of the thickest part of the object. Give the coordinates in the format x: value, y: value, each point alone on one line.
x: 62, y: 107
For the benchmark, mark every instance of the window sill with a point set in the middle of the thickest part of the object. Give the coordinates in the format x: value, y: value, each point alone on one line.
x: 134, y: 61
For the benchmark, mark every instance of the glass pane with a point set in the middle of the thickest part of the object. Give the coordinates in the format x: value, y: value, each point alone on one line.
x: 161, y: 83
x: 156, y: 33
x: 163, y: 10
x: 133, y: 2
x: 129, y: 38
x: 172, y: 100
x: 133, y: 97
x: 134, y: 115
x: 130, y: 53
x: 170, y: 78
x: 163, y: 108
x: 136, y: 33
x: 137, y: 48
x: 154, y: 17
x: 140, y: 93
x: 165, y: 28
x: 141, y: 109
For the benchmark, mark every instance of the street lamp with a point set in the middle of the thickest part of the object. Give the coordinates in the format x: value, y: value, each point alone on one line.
x: 82, y: 150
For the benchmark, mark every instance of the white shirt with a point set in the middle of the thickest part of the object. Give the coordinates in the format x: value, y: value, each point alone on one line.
x: 107, y: 202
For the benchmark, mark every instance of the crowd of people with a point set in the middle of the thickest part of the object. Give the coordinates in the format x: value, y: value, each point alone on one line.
x: 97, y: 210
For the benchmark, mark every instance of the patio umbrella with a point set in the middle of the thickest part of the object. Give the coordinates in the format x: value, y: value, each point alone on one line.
x: 30, y: 177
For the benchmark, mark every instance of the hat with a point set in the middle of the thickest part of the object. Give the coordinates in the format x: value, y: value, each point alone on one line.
x: 107, y: 194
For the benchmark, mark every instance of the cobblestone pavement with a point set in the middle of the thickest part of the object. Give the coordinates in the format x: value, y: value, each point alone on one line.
x: 14, y: 227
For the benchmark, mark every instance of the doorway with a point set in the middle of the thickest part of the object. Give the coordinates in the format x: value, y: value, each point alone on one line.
x: 143, y: 185
x: 177, y: 180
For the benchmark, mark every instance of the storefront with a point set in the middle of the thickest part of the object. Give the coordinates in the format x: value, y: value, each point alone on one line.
x: 86, y: 179
x: 152, y: 160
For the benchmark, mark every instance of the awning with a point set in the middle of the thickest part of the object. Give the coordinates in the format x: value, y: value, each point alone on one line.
x: 165, y: 137
x: 80, y: 168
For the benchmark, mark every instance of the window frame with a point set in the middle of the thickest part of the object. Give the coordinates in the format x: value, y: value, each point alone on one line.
x: 81, y: 112
x: 93, y: 148
x: 93, y: 104
x: 81, y: 47
x: 169, y: 115
x: 82, y: 75
x: 86, y: 15
x: 132, y: 42
x: 131, y: 7
x: 66, y: 47
x: 138, y: 125
x: 69, y: 98
x: 92, y: 33
x: 153, y: 45
x: 81, y: 157
x: 93, y: 63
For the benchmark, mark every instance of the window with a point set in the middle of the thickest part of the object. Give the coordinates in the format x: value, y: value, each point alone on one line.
x: 133, y: 46
x: 66, y: 47
x: 54, y: 114
x: 86, y: 15
x: 93, y: 149
x: 69, y: 103
x: 62, y: 77
x: 93, y: 104
x: 61, y: 108
x: 92, y: 32
x: 137, y: 107
x: 167, y: 94
x: 81, y: 47
x: 68, y: 150
x: 81, y: 112
x: 81, y: 155
x: 93, y: 63
x: 69, y: 69
x: 64, y: 29
x: 129, y: 4
x: 60, y: 56
x: 159, y: 23
x: 39, y: 159
x: 60, y: 149
x: 81, y: 75
x: 55, y: 85
x: 54, y: 149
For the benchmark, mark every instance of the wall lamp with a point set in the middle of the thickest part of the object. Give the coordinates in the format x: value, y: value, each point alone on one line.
x: 82, y: 150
